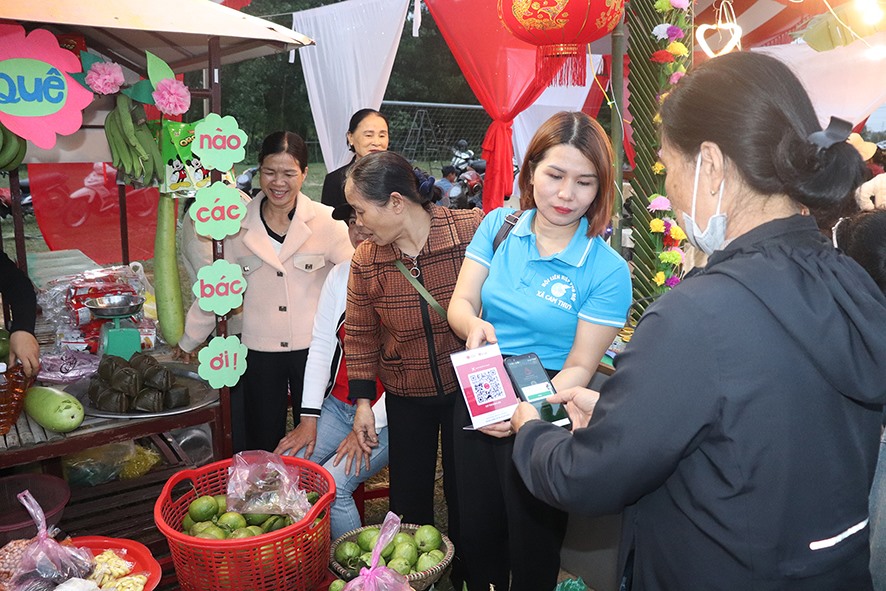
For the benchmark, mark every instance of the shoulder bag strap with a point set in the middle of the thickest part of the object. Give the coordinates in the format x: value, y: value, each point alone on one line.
x: 421, y: 290
x: 506, y: 227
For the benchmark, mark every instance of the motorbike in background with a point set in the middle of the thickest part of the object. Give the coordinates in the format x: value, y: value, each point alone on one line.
x: 467, y: 192
x: 6, y: 200
x: 244, y: 181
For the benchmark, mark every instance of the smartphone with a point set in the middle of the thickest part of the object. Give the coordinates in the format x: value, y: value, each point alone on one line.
x: 532, y: 384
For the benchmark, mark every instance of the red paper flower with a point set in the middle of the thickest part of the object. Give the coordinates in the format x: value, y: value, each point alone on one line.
x: 662, y: 56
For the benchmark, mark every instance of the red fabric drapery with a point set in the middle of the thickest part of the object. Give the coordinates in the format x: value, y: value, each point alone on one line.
x: 500, y: 69
x: 594, y: 101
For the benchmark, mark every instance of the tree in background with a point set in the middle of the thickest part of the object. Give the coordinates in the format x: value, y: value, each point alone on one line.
x: 266, y: 94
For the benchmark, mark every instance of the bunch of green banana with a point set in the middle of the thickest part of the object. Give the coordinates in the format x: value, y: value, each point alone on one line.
x: 12, y: 149
x: 134, y: 151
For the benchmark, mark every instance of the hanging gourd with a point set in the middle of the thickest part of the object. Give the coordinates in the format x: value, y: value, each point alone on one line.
x: 562, y: 30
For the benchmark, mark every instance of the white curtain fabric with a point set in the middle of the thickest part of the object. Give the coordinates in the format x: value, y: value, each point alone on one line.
x: 843, y: 82
x: 553, y: 100
x: 349, y: 68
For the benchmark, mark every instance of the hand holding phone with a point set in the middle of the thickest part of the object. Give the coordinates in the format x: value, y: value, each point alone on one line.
x: 531, y: 382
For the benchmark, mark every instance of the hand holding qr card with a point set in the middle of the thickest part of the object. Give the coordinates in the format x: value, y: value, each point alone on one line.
x: 488, y: 392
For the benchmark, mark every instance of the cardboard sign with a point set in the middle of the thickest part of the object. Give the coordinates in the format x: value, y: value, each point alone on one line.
x: 218, y: 211
x: 219, y: 142
x: 219, y: 287
x: 222, y: 361
x: 38, y: 97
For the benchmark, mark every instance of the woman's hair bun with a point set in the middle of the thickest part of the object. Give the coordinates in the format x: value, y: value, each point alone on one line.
x: 818, y: 177
x: 426, y: 184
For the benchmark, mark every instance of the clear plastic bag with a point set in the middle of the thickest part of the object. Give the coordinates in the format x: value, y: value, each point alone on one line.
x: 46, y: 563
x: 381, y: 578
x: 260, y: 482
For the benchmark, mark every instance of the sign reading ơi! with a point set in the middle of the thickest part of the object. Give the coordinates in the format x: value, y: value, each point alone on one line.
x: 38, y: 97
x: 222, y: 361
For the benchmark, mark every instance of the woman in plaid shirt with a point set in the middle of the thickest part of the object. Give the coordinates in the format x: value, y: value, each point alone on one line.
x: 393, y: 332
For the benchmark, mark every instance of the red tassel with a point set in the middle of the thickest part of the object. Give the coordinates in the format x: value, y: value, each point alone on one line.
x: 564, y: 64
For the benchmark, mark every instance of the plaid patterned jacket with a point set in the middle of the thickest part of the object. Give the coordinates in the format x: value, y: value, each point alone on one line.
x: 390, y: 330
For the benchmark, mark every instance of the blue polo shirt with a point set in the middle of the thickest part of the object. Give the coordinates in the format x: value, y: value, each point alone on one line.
x: 535, y: 302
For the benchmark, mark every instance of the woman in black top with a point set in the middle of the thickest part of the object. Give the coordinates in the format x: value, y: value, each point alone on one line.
x: 367, y: 133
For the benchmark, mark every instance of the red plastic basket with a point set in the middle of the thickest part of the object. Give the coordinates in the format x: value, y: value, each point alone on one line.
x: 293, y: 558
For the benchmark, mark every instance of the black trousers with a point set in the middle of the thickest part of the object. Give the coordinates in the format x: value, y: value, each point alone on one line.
x: 414, y: 426
x: 509, y: 538
x: 270, y: 382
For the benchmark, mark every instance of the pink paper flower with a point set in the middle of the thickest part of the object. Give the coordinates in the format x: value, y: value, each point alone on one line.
x: 660, y: 203
x: 680, y: 4
x: 172, y: 97
x: 105, y: 77
x: 675, y: 77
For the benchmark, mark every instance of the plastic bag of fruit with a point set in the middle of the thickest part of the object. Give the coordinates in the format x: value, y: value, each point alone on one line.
x: 46, y: 563
x: 260, y: 482
x: 376, y: 577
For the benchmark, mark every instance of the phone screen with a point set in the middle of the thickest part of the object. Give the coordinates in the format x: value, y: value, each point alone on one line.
x: 531, y: 381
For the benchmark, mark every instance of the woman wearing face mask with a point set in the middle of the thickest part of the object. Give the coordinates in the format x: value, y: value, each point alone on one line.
x: 554, y: 288
x: 739, y: 432
x: 367, y: 133
x: 287, y: 245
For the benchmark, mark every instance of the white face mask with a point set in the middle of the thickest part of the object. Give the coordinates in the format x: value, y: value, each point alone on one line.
x: 715, y: 234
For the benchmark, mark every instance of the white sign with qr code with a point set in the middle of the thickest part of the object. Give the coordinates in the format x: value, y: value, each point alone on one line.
x: 486, y: 387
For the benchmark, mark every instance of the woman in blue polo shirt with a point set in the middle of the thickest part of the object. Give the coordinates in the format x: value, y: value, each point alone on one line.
x: 552, y: 287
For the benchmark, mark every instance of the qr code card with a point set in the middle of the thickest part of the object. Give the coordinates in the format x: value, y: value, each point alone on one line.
x: 487, y: 385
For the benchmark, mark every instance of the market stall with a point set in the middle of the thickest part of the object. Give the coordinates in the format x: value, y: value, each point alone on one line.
x: 183, y: 35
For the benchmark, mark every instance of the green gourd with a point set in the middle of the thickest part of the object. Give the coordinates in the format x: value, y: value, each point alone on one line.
x: 53, y: 409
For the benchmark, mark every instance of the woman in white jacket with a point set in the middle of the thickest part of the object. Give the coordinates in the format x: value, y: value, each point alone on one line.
x: 328, y: 437
x: 286, y: 247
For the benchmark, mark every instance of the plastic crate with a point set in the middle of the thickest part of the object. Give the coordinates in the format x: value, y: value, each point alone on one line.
x: 294, y: 558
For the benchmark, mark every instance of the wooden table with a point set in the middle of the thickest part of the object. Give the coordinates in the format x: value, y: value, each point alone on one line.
x: 28, y: 442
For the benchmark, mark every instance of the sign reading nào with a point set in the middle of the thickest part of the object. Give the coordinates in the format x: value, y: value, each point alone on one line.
x: 219, y: 142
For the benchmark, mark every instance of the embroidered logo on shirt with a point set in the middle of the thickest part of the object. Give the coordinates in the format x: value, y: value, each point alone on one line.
x: 559, y: 290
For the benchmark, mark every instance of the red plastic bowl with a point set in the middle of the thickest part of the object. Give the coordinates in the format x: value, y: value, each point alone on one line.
x: 51, y: 492
x: 136, y: 552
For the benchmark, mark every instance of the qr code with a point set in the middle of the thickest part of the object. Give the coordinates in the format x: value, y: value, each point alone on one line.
x: 487, y: 386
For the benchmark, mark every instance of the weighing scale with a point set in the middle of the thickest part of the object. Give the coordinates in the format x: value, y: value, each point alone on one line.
x: 120, y: 336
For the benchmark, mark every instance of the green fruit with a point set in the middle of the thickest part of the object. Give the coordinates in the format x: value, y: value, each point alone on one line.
x: 399, y: 565
x: 256, y: 518
x: 53, y: 409
x: 221, y: 502
x: 387, y: 551
x: 428, y: 538
x: 425, y: 562
x: 403, y: 537
x: 366, y: 538
x: 438, y: 554
x: 187, y: 523
x: 199, y: 527
x: 407, y: 552
x: 231, y: 521
x: 366, y: 558
x: 273, y: 523
x: 337, y: 585
x: 203, y: 508
x: 243, y: 532
x: 255, y: 529
x: 213, y: 532
x: 313, y: 497
x: 347, y: 553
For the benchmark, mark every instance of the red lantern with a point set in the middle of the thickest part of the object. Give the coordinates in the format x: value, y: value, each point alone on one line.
x: 561, y: 29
